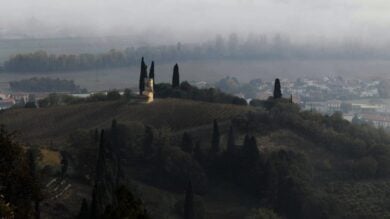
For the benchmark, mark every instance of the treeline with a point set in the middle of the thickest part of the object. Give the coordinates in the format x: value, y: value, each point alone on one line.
x: 258, y: 47
x: 163, y: 90
x: 186, y: 91
x: 46, y: 85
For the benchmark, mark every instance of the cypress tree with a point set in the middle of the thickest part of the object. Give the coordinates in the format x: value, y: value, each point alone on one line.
x: 277, y: 89
x: 176, y: 77
x: 96, y: 136
x: 94, y: 205
x: 64, y: 164
x: 114, y: 136
x: 198, y: 154
x: 231, y: 144
x: 99, y: 193
x: 36, y: 196
x: 116, y: 152
x: 186, y: 143
x: 250, y: 151
x: 189, y: 202
x: 215, y: 139
x: 101, y: 158
x: 84, y: 211
x: 151, y: 72
x: 143, y: 75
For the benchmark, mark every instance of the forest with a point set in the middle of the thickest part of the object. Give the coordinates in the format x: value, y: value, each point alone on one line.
x: 45, y: 85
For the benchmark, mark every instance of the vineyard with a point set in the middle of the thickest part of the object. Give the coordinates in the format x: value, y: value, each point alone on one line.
x: 46, y: 125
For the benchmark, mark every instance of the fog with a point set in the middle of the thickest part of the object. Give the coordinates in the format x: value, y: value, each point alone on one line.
x: 194, y: 20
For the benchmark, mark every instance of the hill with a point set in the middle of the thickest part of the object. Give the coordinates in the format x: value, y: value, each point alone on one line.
x: 298, y: 163
x: 54, y: 124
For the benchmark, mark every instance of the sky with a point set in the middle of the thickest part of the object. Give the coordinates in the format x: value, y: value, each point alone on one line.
x: 191, y: 20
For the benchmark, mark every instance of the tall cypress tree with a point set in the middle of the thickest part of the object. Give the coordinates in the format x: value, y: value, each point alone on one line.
x: 151, y: 72
x: 36, y: 195
x: 84, y: 211
x: 101, y: 158
x: 198, y: 153
x: 176, y: 77
x: 94, y: 203
x: 189, y: 202
x: 186, y: 143
x: 116, y: 152
x: 215, y: 139
x: 250, y: 151
x: 277, y: 89
x: 231, y: 144
x: 99, y: 192
x: 142, y: 76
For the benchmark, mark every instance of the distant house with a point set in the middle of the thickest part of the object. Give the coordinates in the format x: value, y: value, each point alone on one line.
x: 379, y: 121
x: 334, y: 105
x: 367, y: 108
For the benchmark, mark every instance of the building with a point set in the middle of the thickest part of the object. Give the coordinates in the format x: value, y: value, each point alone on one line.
x: 378, y: 120
x: 149, y: 90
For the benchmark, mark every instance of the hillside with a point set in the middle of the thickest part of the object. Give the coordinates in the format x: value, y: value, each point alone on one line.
x: 300, y: 164
x: 54, y: 124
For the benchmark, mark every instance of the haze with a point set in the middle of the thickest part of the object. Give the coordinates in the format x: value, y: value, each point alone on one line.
x: 194, y: 20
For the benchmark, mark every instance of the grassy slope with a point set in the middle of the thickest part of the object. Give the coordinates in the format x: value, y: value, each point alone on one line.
x: 40, y: 126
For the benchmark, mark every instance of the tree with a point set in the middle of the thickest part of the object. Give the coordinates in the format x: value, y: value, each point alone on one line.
x: 113, y: 95
x: 102, y: 191
x: 142, y: 76
x: 127, y: 206
x: 186, y: 143
x: 198, y: 153
x: 231, y: 144
x: 64, y: 164
x: 17, y: 183
x: 215, y: 139
x: 94, y: 203
x: 176, y: 77
x: 114, y: 135
x: 84, y: 211
x: 250, y: 151
x: 127, y: 94
x: 277, y: 89
x: 189, y: 202
x: 101, y: 157
x: 36, y: 194
x: 151, y: 72
x: 115, y: 152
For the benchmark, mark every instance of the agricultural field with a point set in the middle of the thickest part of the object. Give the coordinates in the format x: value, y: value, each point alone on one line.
x: 56, y: 123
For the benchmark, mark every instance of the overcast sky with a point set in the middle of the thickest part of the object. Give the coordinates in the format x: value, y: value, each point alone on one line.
x: 194, y: 19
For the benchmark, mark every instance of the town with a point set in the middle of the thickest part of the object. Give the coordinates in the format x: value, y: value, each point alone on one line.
x: 359, y: 101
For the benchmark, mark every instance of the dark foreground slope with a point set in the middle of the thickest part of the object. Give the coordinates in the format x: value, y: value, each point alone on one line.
x: 299, y: 164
